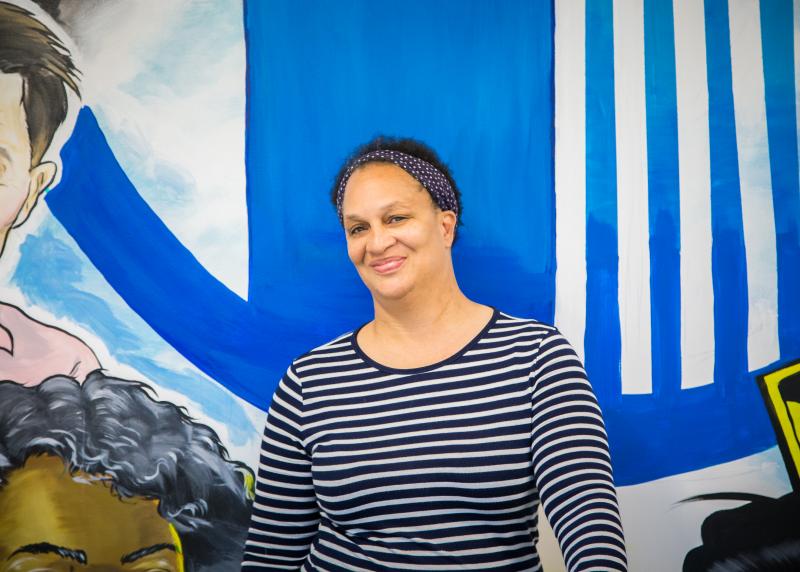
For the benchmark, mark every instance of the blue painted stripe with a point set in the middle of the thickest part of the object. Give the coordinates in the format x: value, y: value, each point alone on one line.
x: 602, y: 344
x: 663, y: 194
x: 729, y: 270
x: 777, y: 38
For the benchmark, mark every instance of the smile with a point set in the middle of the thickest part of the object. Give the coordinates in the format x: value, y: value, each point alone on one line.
x: 387, y: 265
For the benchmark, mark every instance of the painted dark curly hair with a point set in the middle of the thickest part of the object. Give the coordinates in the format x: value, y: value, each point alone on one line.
x: 149, y: 448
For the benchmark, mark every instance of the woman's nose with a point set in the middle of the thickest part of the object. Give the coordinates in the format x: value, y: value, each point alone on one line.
x: 380, y: 238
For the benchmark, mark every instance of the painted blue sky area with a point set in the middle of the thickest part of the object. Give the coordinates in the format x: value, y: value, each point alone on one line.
x: 163, y: 183
x: 55, y: 275
x: 181, y: 60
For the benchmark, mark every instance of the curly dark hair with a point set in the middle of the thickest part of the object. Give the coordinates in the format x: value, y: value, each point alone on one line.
x: 405, y: 145
x: 29, y: 48
x: 149, y: 448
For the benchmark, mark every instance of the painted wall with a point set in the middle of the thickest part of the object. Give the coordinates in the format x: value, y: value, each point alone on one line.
x: 629, y: 172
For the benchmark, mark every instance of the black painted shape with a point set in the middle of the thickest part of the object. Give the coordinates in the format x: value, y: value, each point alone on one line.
x: 762, y: 535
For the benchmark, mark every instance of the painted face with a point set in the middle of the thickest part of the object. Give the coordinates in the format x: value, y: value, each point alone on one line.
x: 396, y: 237
x: 52, y: 520
x: 20, y: 182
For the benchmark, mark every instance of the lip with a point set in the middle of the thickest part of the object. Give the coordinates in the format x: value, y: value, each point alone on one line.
x: 387, y: 265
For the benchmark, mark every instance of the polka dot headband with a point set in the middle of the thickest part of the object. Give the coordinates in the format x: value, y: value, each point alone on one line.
x: 429, y: 176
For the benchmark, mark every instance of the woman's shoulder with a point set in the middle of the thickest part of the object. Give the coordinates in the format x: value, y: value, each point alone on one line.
x: 334, y: 350
x: 542, y: 334
x: 511, y: 322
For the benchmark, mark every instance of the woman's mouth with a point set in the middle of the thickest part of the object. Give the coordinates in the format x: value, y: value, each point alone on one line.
x: 387, y: 265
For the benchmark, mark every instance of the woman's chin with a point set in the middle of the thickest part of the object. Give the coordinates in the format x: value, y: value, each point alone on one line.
x: 391, y: 292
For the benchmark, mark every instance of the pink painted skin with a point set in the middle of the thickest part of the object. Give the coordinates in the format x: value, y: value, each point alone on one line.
x: 31, y: 351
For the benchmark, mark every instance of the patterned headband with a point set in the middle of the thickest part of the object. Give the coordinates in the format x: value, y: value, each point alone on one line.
x: 429, y: 176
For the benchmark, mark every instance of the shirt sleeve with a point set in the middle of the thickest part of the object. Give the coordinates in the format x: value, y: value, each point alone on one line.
x: 285, y: 512
x: 571, y: 461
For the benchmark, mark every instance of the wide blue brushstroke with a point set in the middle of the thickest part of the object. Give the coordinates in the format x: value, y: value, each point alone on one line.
x: 777, y: 24
x: 471, y: 78
x: 602, y: 339
x: 161, y: 280
x: 728, y: 262
x: 663, y: 195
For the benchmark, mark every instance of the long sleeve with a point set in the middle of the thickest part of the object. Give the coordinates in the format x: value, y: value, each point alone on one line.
x: 572, y: 465
x: 285, y: 513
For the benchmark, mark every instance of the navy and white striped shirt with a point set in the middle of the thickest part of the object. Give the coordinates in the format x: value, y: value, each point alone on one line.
x: 443, y: 467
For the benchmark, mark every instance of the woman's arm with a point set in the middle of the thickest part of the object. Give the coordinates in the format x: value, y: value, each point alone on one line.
x: 571, y: 461
x: 285, y: 512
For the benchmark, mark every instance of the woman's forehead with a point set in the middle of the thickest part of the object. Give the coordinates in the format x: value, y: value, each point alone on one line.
x: 377, y: 193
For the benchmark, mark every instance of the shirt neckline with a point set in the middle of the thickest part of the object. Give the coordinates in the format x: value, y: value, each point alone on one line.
x: 379, y: 366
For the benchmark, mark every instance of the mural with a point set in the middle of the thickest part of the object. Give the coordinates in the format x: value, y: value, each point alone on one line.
x: 629, y: 169
x: 80, y: 449
x: 763, y: 533
x: 106, y: 452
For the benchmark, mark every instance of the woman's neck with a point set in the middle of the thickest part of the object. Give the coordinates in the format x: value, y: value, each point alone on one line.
x: 419, y: 333
x: 416, y: 314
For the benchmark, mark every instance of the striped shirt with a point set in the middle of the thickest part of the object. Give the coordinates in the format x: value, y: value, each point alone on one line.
x: 443, y: 467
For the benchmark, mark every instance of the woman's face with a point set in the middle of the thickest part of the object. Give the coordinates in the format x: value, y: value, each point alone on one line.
x: 397, y: 238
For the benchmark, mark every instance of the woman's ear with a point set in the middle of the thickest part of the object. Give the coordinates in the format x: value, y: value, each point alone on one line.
x: 447, y: 223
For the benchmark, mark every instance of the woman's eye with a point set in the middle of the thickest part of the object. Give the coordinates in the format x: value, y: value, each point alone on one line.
x: 355, y: 230
x: 396, y: 218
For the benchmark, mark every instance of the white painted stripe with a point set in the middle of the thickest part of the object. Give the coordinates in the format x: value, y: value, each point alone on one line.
x: 694, y: 160
x: 632, y: 200
x: 570, y: 170
x: 754, y: 176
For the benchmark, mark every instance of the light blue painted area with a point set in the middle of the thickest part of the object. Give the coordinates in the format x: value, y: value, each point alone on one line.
x: 55, y: 275
x: 163, y: 183
x: 181, y: 60
x: 199, y: 50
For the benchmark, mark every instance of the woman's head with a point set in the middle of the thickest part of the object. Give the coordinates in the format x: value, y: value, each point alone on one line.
x: 414, y: 157
x: 399, y: 207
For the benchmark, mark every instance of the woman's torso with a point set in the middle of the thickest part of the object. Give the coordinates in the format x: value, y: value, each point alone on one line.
x: 429, y: 468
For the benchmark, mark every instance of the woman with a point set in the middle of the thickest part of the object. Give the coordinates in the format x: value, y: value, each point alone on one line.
x: 426, y: 439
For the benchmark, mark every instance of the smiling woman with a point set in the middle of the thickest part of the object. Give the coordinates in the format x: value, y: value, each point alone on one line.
x: 427, y: 438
